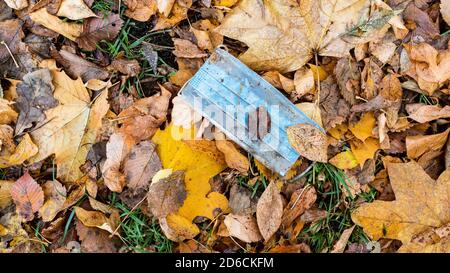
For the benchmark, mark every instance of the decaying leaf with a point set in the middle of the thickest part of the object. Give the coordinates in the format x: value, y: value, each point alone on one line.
x: 55, y: 196
x: 420, y: 204
x: 35, y: 95
x: 97, y: 219
x: 269, y: 211
x: 340, y: 245
x: 74, y: 10
x: 94, y: 240
x: 140, y: 10
x: 17, y: 4
x: 183, y: 114
x: 117, y: 148
x: 167, y: 195
x: 334, y: 109
x: 301, y: 200
x: 71, y: 128
x: 25, y: 150
x: 243, y: 227
x: 308, y: 141
x: 5, y: 193
x: 420, y: 144
x: 283, y: 35
x: 11, y: 34
x: 28, y: 196
x: 234, y: 158
x: 423, y: 113
x: 99, y: 28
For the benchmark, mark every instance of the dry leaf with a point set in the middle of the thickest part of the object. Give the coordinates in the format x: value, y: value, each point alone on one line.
x: 69, y: 30
x: 35, y: 95
x: 301, y: 200
x: 28, y: 196
x: 303, y: 82
x: 17, y: 4
x: 334, y: 110
x: 97, y: 29
x: 340, y: 245
x: 269, y: 211
x: 344, y: 160
x: 207, y: 38
x: 183, y: 114
x: 420, y: 144
x: 167, y: 195
x: 94, y: 240
x: 364, y: 127
x: 308, y: 141
x: 363, y: 151
x: 25, y: 150
x: 241, y: 201
x: 11, y: 33
x: 140, y: 10
x: 178, y: 13
x: 445, y: 11
x: 348, y: 76
x: 187, y: 49
x: 283, y: 35
x: 74, y: 10
x: 420, y: 204
x: 117, y: 148
x: 423, y: 113
x: 70, y: 128
x: 165, y: 6
x: 234, y: 158
x: 243, y: 227
x: 55, y: 196
x: 130, y: 68
x: 96, y: 219
x: 5, y: 193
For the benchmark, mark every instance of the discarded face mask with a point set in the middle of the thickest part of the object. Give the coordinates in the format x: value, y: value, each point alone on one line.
x: 244, y: 106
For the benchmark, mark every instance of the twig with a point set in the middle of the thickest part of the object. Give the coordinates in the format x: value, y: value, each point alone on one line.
x: 10, y: 53
x: 126, y: 217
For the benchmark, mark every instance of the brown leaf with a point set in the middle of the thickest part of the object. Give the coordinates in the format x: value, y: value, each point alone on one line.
x: 301, y: 200
x: 308, y: 141
x: 269, y: 211
x: 128, y: 67
x: 187, y: 49
x: 52, y: 6
x: 5, y: 193
x: 11, y: 34
x: 243, y: 227
x: 445, y: 11
x: 192, y: 246
x: 140, y: 10
x: 348, y: 77
x: 117, y: 148
x: 241, y: 201
x: 17, y: 4
x: 35, y: 95
x: 425, y: 27
x: 233, y: 157
x: 334, y: 110
x: 340, y: 245
x: 28, y: 196
x: 94, y: 240
x: 76, y: 66
x: 167, y: 195
x: 96, y: 29
x: 143, y: 118
x: 423, y: 113
x: 55, y: 196
x: 140, y: 165
x: 418, y: 145
x: 98, y: 219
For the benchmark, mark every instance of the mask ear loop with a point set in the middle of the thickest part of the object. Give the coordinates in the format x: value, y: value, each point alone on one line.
x: 223, y: 47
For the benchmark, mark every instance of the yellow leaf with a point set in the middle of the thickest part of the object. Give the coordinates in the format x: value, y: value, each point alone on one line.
x: 75, y: 10
x: 363, y: 128
x: 344, y: 160
x: 5, y: 193
x: 364, y: 150
x: 68, y: 30
x: 283, y: 35
x: 23, y: 151
x: 71, y: 128
x: 233, y: 157
x: 200, y: 164
x: 318, y: 72
x: 421, y: 205
x: 338, y: 131
x: 55, y: 196
x: 312, y: 110
x: 224, y: 3
x: 7, y: 114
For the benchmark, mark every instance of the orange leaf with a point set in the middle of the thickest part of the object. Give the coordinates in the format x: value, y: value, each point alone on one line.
x: 28, y: 196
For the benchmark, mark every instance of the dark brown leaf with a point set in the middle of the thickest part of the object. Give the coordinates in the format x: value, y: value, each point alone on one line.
x: 11, y: 35
x: 333, y: 108
x: 96, y: 29
x: 128, y: 67
x: 75, y: 66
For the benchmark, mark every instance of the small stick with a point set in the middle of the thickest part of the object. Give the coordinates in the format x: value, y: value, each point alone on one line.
x: 10, y: 53
x: 126, y: 217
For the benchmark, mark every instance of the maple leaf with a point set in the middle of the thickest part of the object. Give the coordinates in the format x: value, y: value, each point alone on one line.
x: 420, y: 204
x: 285, y: 34
x: 71, y: 128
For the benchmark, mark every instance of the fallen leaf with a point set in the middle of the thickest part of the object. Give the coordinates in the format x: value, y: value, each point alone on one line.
x: 312, y: 110
x: 303, y: 82
x: 165, y: 6
x: 364, y: 127
x: 117, y: 148
x: 178, y: 13
x: 69, y: 30
x: 35, y: 95
x: 284, y: 35
x: 94, y: 240
x: 412, y: 212
x: 25, y: 150
x: 207, y: 38
x: 269, y: 211
x: 140, y: 10
x: 334, y: 109
x: 423, y: 113
x: 28, y: 196
x: 298, y: 248
x: 140, y: 165
x: 55, y: 196
x: 183, y: 114
x: 142, y: 119
x: 95, y: 219
x: 128, y: 67
x: 192, y: 246
x: 5, y: 193
x: 74, y: 10
x: 11, y: 33
x: 233, y: 157
x: 187, y: 49
x: 97, y: 29
x: 167, y: 195
x: 344, y: 160
x: 17, y: 4
x: 70, y: 128
x: 420, y: 144
x: 301, y: 200
x: 199, y: 166
x: 243, y: 227
x: 241, y: 201
x: 363, y: 151
x: 445, y: 11
x: 186, y: 69
x: 308, y: 141
x: 7, y: 113
x: 340, y: 245
x: 348, y: 76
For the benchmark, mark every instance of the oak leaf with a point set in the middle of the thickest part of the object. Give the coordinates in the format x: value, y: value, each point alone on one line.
x: 71, y: 128
x: 421, y: 204
x: 284, y: 34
